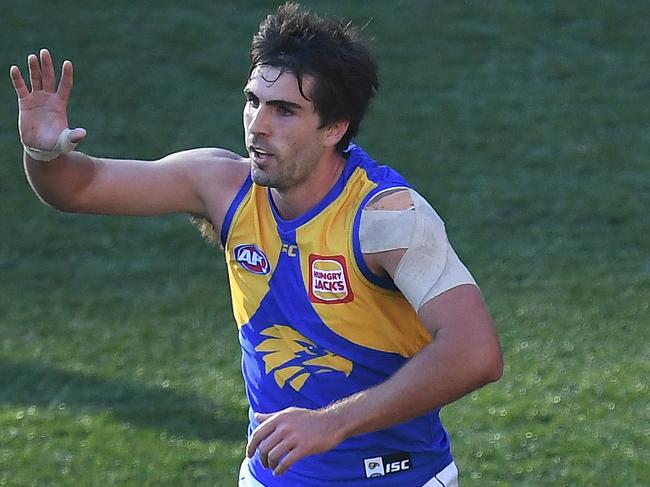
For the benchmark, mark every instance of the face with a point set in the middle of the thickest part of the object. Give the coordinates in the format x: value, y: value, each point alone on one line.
x: 282, y: 131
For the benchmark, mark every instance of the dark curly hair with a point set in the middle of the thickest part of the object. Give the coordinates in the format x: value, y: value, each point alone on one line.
x: 328, y: 49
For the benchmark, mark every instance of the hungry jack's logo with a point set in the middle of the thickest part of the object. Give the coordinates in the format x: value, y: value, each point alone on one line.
x: 293, y: 358
x: 328, y: 280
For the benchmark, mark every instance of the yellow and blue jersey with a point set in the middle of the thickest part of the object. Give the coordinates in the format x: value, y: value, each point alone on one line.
x: 316, y: 325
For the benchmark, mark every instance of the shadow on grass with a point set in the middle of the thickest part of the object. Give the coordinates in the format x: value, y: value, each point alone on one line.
x: 180, y: 414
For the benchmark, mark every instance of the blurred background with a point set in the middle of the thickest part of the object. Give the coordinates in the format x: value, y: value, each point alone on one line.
x: 525, y: 124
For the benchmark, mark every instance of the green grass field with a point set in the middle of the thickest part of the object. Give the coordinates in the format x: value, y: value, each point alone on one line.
x: 526, y: 124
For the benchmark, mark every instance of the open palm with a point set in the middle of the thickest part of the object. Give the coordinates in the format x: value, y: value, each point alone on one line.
x: 42, y: 113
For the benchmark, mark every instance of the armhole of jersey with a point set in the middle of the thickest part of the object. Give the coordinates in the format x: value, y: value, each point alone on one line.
x: 232, y: 209
x: 356, y: 244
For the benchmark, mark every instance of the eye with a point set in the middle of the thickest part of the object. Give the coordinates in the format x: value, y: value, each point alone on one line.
x: 308, y: 347
x: 284, y: 111
x: 252, y: 100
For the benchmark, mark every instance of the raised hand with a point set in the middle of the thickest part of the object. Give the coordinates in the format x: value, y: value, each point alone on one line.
x: 42, y: 113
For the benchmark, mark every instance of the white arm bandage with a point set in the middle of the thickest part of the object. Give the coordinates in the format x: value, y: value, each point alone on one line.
x: 429, y: 266
x: 63, y: 146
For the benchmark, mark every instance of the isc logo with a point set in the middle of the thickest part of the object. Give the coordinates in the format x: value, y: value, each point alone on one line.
x: 386, y: 465
x: 397, y: 466
x: 252, y: 259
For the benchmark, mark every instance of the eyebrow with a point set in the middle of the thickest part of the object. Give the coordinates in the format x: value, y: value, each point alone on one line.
x: 279, y: 103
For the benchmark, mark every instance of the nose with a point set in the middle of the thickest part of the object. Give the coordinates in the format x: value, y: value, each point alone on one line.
x: 259, y: 122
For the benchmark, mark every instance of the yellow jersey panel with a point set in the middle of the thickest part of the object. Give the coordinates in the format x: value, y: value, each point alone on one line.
x: 348, y: 303
x: 249, y: 267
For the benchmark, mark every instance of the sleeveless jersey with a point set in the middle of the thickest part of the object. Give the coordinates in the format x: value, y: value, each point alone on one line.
x: 316, y: 325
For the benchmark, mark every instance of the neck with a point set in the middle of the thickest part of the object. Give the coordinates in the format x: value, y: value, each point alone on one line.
x: 296, y: 201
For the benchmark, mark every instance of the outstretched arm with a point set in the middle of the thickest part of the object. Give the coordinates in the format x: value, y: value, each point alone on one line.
x: 76, y: 182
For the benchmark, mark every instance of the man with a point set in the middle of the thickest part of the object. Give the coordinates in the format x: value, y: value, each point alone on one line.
x: 356, y: 318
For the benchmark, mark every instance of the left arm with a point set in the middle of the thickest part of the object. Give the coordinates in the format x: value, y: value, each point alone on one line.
x: 463, y: 355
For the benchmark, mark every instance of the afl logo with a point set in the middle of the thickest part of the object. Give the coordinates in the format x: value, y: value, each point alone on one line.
x: 252, y: 259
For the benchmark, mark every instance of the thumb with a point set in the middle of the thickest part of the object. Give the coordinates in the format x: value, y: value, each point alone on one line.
x: 77, y: 135
x: 68, y: 140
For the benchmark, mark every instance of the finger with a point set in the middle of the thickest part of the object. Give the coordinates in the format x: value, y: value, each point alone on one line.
x: 261, y: 417
x: 277, y: 453
x: 259, y: 434
x: 267, y: 446
x: 34, y: 73
x: 289, y: 459
x: 18, y: 82
x: 47, y: 71
x: 65, y: 84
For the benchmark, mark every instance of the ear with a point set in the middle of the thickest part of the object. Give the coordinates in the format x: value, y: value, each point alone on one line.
x: 335, y: 131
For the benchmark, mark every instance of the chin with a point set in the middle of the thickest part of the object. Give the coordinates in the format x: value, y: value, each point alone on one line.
x: 261, y: 178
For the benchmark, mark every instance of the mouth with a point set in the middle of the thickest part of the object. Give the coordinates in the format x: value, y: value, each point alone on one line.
x: 259, y: 155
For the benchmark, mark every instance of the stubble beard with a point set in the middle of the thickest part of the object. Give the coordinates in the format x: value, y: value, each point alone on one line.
x: 269, y: 177
x: 283, y: 176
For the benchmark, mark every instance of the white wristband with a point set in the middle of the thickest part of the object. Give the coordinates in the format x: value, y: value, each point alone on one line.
x: 63, y: 146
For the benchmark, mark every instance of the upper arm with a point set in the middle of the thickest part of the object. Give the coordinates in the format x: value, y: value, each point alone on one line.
x: 199, y: 181
x: 403, y: 237
x: 439, y: 287
x: 459, y: 320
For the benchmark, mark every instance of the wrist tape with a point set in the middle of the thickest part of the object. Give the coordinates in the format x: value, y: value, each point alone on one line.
x: 63, y: 146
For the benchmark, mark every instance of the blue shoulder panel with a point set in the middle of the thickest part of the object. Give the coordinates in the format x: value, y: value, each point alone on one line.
x: 227, y: 221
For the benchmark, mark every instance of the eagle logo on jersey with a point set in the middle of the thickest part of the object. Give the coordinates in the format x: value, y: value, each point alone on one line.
x: 293, y: 358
